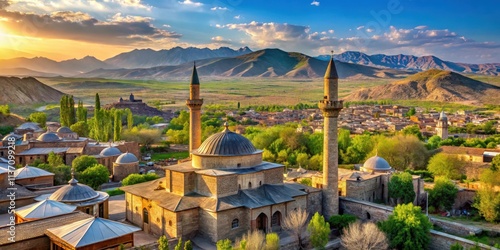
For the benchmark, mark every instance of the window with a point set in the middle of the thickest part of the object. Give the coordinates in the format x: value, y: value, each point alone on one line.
x: 260, y: 183
x: 249, y: 184
x: 169, y: 223
x: 276, y: 219
x: 239, y: 165
x: 145, y: 216
x: 235, y: 223
x: 368, y: 216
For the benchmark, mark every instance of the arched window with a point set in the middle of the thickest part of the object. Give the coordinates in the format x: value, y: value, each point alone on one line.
x: 249, y: 184
x: 260, y: 183
x: 276, y: 219
x: 235, y: 223
x: 368, y: 216
x: 239, y: 186
x: 169, y: 223
x: 145, y: 216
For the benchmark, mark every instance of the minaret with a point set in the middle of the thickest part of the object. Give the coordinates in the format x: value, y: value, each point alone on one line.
x: 442, y: 126
x: 194, y: 104
x: 330, y: 106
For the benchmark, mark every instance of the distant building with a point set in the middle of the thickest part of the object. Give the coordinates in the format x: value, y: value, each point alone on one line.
x: 442, y: 126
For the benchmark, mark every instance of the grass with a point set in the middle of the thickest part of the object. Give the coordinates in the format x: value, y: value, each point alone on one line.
x: 162, y: 156
x: 115, y: 191
x: 484, y: 238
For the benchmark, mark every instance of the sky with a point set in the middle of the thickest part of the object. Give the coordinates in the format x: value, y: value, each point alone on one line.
x: 459, y: 31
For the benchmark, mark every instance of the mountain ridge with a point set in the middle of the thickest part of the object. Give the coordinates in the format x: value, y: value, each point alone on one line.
x: 26, y: 90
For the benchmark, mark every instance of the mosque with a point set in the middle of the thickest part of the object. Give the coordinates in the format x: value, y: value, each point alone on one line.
x: 226, y: 189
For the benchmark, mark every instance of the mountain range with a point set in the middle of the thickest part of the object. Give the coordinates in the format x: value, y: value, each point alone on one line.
x: 432, y: 85
x: 226, y: 62
x: 262, y: 63
x: 413, y: 63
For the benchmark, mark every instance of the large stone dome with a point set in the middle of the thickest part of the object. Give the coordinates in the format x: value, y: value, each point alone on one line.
x: 226, y: 143
x: 377, y: 164
x: 64, y: 130
x: 74, y: 192
x: 48, y: 137
x: 111, y: 151
x: 126, y: 158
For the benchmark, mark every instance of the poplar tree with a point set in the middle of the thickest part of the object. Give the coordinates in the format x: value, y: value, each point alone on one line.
x: 118, y: 126
x: 97, y: 102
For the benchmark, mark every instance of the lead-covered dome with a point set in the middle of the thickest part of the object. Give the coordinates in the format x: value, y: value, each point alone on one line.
x: 111, y: 151
x: 126, y: 158
x: 226, y: 143
x: 48, y: 137
x: 376, y: 163
x: 74, y: 192
x: 65, y: 130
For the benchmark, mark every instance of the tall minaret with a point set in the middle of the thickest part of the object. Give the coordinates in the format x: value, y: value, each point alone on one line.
x: 442, y: 126
x: 330, y: 106
x: 194, y: 104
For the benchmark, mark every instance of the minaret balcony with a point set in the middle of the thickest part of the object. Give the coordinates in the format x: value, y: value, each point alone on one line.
x: 331, y: 105
x: 194, y: 102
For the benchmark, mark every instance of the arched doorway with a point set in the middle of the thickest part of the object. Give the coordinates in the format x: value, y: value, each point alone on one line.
x: 262, y: 222
x: 276, y: 221
x: 145, y: 220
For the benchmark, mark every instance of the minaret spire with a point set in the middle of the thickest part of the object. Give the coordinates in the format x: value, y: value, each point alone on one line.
x: 194, y: 104
x: 330, y: 106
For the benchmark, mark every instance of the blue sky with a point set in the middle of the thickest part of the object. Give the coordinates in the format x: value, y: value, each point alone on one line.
x: 459, y: 31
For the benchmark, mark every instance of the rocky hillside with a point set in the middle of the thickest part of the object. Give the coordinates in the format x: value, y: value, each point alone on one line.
x: 413, y: 63
x: 262, y: 63
x: 26, y: 91
x: 433, y: 85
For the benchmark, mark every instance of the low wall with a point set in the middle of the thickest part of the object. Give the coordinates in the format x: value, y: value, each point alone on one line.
x: 364, y: 210
x: 441, y: 241
x: 456, y: 228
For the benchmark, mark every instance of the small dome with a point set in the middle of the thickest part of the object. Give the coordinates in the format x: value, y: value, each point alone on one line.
x: 48, y: 137
x: 64, y: 130
x: 126, y: 158
x: 74, y: 192
x: 111, y: 151
x: 226, y: 143
x: 6, y: 138
x: 30, y: 125
x: 376, y: 163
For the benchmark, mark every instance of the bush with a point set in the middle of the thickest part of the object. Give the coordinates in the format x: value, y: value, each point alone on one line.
x: 138, y: 178
x: 224, y: 245
x: 82, y: 162
x: 114, y: 192
x: 95, y: 176
x: 442, y: 196
x: 272, y: 241
x: 363, y: 236
x: 341, y: 221
x: 188, y: 245
x: 163, y: 243
x: 456, y: 246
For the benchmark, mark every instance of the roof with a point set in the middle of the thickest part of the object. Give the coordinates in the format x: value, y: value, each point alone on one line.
x: 74, y: 192
x: 442, y: 116
x: 64, y: 130
x: 226, y: 143
x: 21, y: 192
x: 331, y: 70
x: 376, y: 163
x: 90, y: 231
x: 43, y: 151
x: 33, y: 229
x: 126, y: 158
x: 44, y: 209
x: 30, y: 172
x: 30, y: 125
x: 18, y: 137
x: 110, y: 151
x: 194, y: 76
x: 219, y: 172
x: 48, y: 137
x: 251, y: 198
x: 466, y: 150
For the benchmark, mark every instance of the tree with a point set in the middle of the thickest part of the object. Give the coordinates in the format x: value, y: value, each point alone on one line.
x: 295, y: 223
x: 38, y: 117
x: 316, y: 162
x: 303, y: 160
x: 163, y: 243
x: 94, y: 176
x: 411, y: 112
x: 54, y: 159
x: 81, y: 112
x: 487, y: 200
x: 97, y: 102
x: 449, y: 166
x: 268, y: 155
x: 433, y: 142
x: 188, y: 245
x: 272, y: 241
x: 62, y: 174
x: 443, y: 195
x: 82, y: 162
x: 401, y: 188
x: 81, y: 128
x: 364, y: 236
x: 144, y: 136
x: 360, y: 146
x: 495, y: 163
x: 319, y: 230
x: 117, y: 125
x: 67, y: 110
x: 403, y: 152
x: 224, y: 245
x: 407, y: 228
x: 413, y: 130
x: 130, y: 118
x: 179, y: 245
x: 254, y: 240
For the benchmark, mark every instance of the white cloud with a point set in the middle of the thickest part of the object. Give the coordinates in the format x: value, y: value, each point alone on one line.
x: 360, y: 27
x: 220, y: 40
x: 237, y: 17
x: 315, y: 3
x: 421, y: 27
x: 218, y: 8
x: 190, y: 3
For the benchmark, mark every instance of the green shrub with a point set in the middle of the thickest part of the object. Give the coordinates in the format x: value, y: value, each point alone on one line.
x: 319, y: 230
x: 115, y: 191
x: 272, y: 241
x: 456, y: 246
x: 341, y: 221
x: 224, y: 245
x: 138, y: 178
x: 188, y: 245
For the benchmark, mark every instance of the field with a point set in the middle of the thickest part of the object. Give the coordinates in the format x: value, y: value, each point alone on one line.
x: 221, y: 92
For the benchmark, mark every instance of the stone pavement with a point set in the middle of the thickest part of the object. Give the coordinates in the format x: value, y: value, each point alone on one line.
x: 117, y: 207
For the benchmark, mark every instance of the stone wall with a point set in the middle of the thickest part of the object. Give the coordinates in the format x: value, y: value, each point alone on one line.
x: 227, y: 185
x: 249, y: 181
x: 456, y: 228
x: 208, y: 224
x: 442, y: 241
x: 42, y: 181
x: 206, y: 185
x: 273, y: 176
x: 188, y: 222
x: 177, y: 183
x: 225, y: 220
x: 39, y: 243
x: 221, y: 162
x: 315, y: 202
x: 464, y: 197
x: 364, y: 210
x: 121, y: 171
